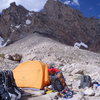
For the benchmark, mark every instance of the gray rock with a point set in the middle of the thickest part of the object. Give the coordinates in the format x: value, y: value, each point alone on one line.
x: 78, y: 96
x: 97, y: 91
x: 89, y: 92
x: 77, y: 71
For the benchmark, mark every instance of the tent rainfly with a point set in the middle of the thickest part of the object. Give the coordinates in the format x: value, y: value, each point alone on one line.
x: 31, y: 74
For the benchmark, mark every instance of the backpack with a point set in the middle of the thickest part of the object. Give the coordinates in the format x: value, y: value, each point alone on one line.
x: 85, y: 81
x: 8, y: 87
x: 56, y: 83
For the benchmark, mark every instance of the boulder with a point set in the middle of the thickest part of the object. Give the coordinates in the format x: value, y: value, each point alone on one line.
x: 15, y: 57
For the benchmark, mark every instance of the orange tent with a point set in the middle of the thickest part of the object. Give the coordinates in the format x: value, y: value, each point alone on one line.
x: 32, y: 74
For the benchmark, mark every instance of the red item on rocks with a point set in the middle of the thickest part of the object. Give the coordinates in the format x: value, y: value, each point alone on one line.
x: 53, y: 70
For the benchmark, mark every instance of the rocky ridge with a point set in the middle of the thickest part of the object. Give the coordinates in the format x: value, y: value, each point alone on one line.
x: 56, y: 20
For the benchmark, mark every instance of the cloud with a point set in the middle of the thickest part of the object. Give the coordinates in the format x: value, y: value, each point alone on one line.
x: 76, y: 2
x: 67, y: 2
x: 35, y: 5
x: 5, y: 4
x: 72, y: 2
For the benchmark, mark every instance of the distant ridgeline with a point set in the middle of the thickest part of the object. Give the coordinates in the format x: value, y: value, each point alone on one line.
x: 56, y: 20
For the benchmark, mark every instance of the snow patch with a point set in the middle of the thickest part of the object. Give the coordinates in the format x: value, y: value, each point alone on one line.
x: 28, y: 21
x: 78, y: 45
x: 25, y: 25
x: 11, y: 25
x: 83, y: 44
x: 5, y: 43
x: 29, y: 14
x: 17, y: 26
x: 1, y: 42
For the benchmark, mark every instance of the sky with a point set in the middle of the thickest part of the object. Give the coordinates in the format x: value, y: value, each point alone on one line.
x: 35, y: 5
x: 89, y: 8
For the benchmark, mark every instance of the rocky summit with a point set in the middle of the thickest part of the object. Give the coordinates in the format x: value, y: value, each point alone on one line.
x: 56, y: 20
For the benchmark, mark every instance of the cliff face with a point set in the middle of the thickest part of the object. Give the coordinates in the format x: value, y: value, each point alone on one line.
x: 10, y: 20
x: 71, y: 26
x: 57, y: 20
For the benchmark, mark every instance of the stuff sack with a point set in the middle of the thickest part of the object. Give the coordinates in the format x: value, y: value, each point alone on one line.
x: 56, y: 83
x: 8, y: 88
x: 85, y: 81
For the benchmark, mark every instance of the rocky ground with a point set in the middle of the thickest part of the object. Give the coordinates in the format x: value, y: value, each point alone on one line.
x: 72, y: 61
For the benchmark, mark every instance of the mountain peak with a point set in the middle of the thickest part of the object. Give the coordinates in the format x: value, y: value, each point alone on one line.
x: 56, y: 20
x: 13, y: 4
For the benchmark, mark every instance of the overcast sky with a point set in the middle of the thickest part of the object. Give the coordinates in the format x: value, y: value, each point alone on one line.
x: 35, y: 5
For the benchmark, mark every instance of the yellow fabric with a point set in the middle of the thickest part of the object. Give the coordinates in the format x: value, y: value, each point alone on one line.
x: 50, y: 91
x: 32, y: 74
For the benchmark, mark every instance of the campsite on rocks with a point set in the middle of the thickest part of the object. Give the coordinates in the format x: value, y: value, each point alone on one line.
x: 58, y: 37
